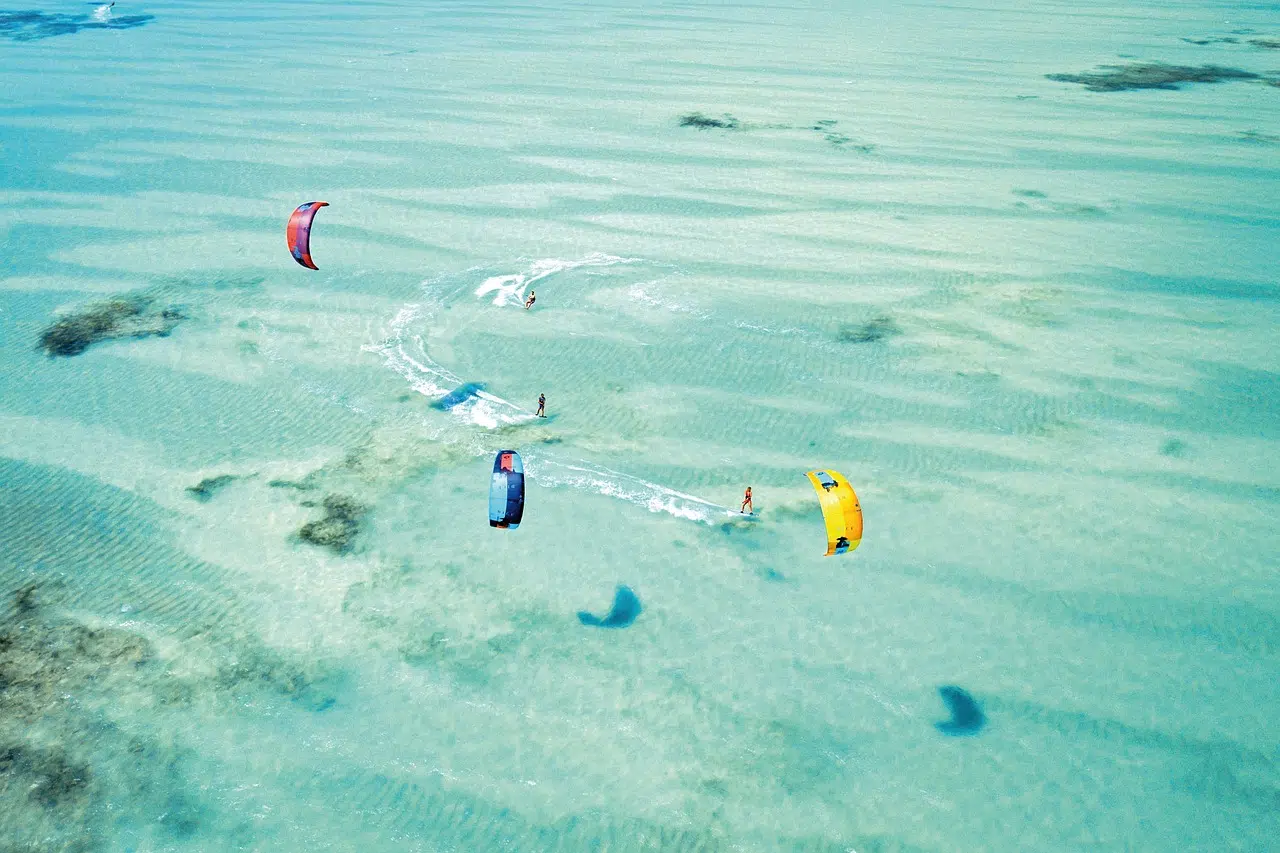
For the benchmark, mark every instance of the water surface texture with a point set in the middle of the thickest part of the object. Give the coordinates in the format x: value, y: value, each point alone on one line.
x: 1010, y: 268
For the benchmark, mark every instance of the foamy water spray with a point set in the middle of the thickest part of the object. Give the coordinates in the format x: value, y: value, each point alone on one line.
x: 509, y: 289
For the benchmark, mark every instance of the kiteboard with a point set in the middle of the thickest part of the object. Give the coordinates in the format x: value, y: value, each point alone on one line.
x: 741, y: 516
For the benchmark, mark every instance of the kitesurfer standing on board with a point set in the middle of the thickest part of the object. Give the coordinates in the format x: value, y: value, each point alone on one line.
x: 746, y: 502
x: 528, y: 303
x: 542, y: 405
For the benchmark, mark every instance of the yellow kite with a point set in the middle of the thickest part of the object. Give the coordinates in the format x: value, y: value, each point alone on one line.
x: 840, y: 510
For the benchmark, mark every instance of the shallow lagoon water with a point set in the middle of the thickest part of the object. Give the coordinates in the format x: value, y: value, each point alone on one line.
x: 1033, y: 324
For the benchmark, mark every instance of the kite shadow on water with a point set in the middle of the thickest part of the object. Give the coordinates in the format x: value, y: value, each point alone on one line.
x: 626, y: 607
x: 458, y: 396
x: 966, y: 715
x: 33, y: 25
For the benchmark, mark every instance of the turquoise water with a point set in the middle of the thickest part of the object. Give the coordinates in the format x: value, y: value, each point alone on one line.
x: 1033, y: 324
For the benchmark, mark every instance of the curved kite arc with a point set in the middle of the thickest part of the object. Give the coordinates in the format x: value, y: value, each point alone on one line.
x: 506, y: 491
x: 299, y: 232
x: 840, y: 511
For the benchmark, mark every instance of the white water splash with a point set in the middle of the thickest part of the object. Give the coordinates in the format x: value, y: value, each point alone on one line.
x: 509, y: 289
x: 490, y: 411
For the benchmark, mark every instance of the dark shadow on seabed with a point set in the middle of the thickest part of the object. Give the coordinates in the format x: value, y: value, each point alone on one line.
x: 966, y: 716
x: 1151, y: 75
x: 33, y: 25
x: 626, y: 607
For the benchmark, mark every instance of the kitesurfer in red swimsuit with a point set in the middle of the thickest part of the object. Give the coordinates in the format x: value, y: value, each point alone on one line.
x: 529, y: 302
x: 746, y: 502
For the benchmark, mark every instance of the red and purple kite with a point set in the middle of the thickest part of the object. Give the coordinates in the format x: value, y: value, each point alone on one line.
x: 299, y: 232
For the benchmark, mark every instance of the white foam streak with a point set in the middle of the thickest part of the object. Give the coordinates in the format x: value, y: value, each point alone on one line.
x: 743, y: 324
x: 423, y: 374
x: 509, y: 289
x: 490, y: 411
x: 614, y: 484
x: 433, y: 380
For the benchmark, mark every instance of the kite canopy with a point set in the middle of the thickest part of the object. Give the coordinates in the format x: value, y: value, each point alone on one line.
x: 299, y: 232
x: 840, y: 511
x: 506, y: 490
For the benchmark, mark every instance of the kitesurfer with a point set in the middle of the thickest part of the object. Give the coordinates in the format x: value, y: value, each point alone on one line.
x: 528, y: 303
x: 542, y: 405
x: 746, y: 502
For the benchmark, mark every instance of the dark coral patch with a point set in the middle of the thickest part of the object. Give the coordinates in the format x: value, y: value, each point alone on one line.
x: 127, y: 317
x: 1151, y: 75
x: 875, y: 329
x: 1259, y: 137
x: 702, y: 122
x: 1218, y: 40
x: 209, y: 486
x: 49, y: 776
x: 338, y: 529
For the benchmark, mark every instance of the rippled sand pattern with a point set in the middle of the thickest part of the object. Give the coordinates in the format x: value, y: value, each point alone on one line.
x: 249, y: 599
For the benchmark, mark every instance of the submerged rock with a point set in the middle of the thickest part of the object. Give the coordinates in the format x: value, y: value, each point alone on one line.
x: 41, y: 658
x: 827, y: 127
x: 875, y: 329
x: 128, y: 317
x: 1259, y: 136
x: 24, y: 598
x: 338, y: 529
x: 301, y: 485
x: 249, y: 666
x: 702, y: 122
x: 49, y: 777
x: 206, y: 488
x: 1151, y: 75
x: 80, y: 752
